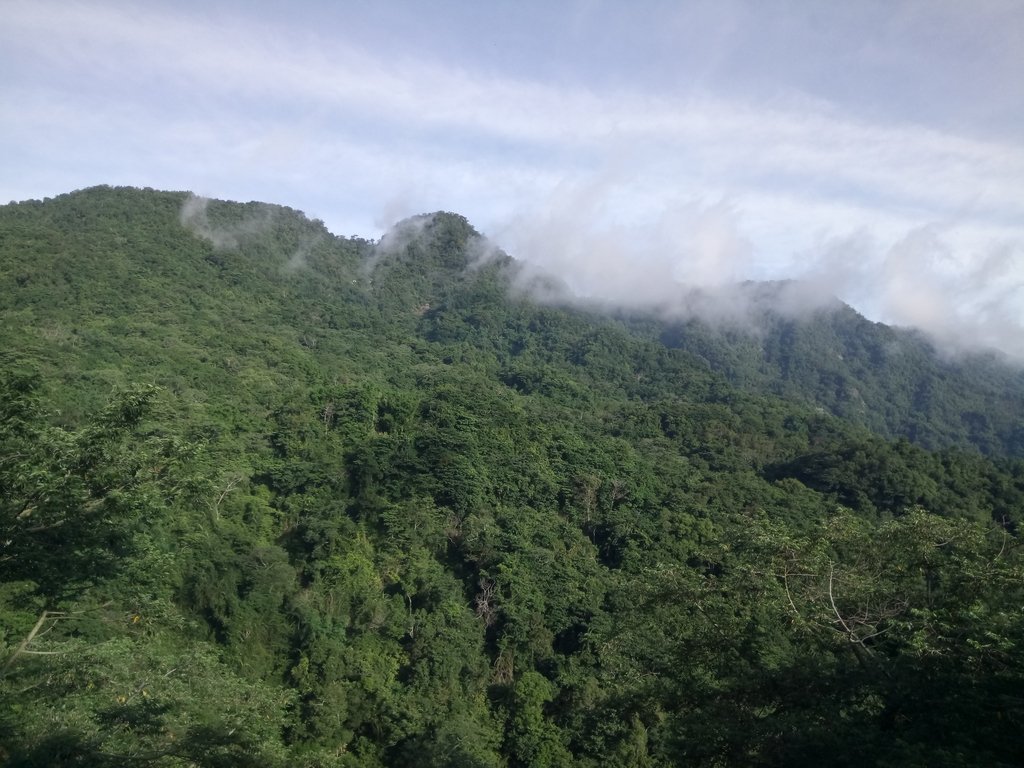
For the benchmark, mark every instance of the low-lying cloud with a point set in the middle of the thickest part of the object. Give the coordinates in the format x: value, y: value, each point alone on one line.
x: 255, y: 219
x: 195, y: 217
x: 701, y: 259
x: 964, y: 300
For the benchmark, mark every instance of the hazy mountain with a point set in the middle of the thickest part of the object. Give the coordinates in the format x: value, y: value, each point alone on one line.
x: 891, y: 380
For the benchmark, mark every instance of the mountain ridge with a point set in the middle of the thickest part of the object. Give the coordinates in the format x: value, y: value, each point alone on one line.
x: 274, y: 497
x: 890, y: 380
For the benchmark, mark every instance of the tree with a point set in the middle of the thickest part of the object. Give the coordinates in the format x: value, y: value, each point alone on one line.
x: 72, y: 500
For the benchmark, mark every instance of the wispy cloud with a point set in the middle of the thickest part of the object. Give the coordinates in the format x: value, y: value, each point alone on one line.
x: 965, y: 299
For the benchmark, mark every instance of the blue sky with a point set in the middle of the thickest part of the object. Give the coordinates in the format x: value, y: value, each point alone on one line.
x: 875, y: 149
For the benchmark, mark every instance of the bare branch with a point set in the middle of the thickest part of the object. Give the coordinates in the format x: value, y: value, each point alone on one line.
x: 831, y: 598
x: 45, y: 616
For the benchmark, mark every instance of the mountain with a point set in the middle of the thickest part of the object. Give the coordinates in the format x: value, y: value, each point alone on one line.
x: 891, y: 380
x: 275, y: 497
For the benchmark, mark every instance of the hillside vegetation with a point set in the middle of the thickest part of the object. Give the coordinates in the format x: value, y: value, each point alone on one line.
x: 272, y: 497
x: 891, y: 380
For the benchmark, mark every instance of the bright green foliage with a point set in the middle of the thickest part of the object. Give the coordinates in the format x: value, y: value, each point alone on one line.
x: 371, y: 506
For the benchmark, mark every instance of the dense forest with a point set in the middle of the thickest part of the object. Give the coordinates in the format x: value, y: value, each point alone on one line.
x: 273, y: 497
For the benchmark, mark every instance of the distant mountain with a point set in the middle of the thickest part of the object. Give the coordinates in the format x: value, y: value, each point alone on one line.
x: 891, y: 380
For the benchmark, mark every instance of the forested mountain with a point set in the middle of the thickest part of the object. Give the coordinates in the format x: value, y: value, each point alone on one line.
x: 891, y: 380
x: 274, y: 497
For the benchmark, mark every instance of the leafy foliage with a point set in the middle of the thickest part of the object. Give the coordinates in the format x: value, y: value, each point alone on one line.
x: 371, y: 506
x: 890, y: 380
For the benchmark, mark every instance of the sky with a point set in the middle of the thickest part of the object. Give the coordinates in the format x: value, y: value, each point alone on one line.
x: 874, y: 149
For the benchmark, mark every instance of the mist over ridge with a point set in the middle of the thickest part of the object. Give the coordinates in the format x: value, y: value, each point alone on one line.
x: 697, y: 257
x: 698, y: 264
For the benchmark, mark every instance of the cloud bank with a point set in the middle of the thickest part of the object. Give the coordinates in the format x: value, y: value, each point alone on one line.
x: 960, y: 284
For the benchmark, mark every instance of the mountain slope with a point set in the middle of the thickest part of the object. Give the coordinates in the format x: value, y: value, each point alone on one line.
x: 272, y: 497
x: 892, y: 381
